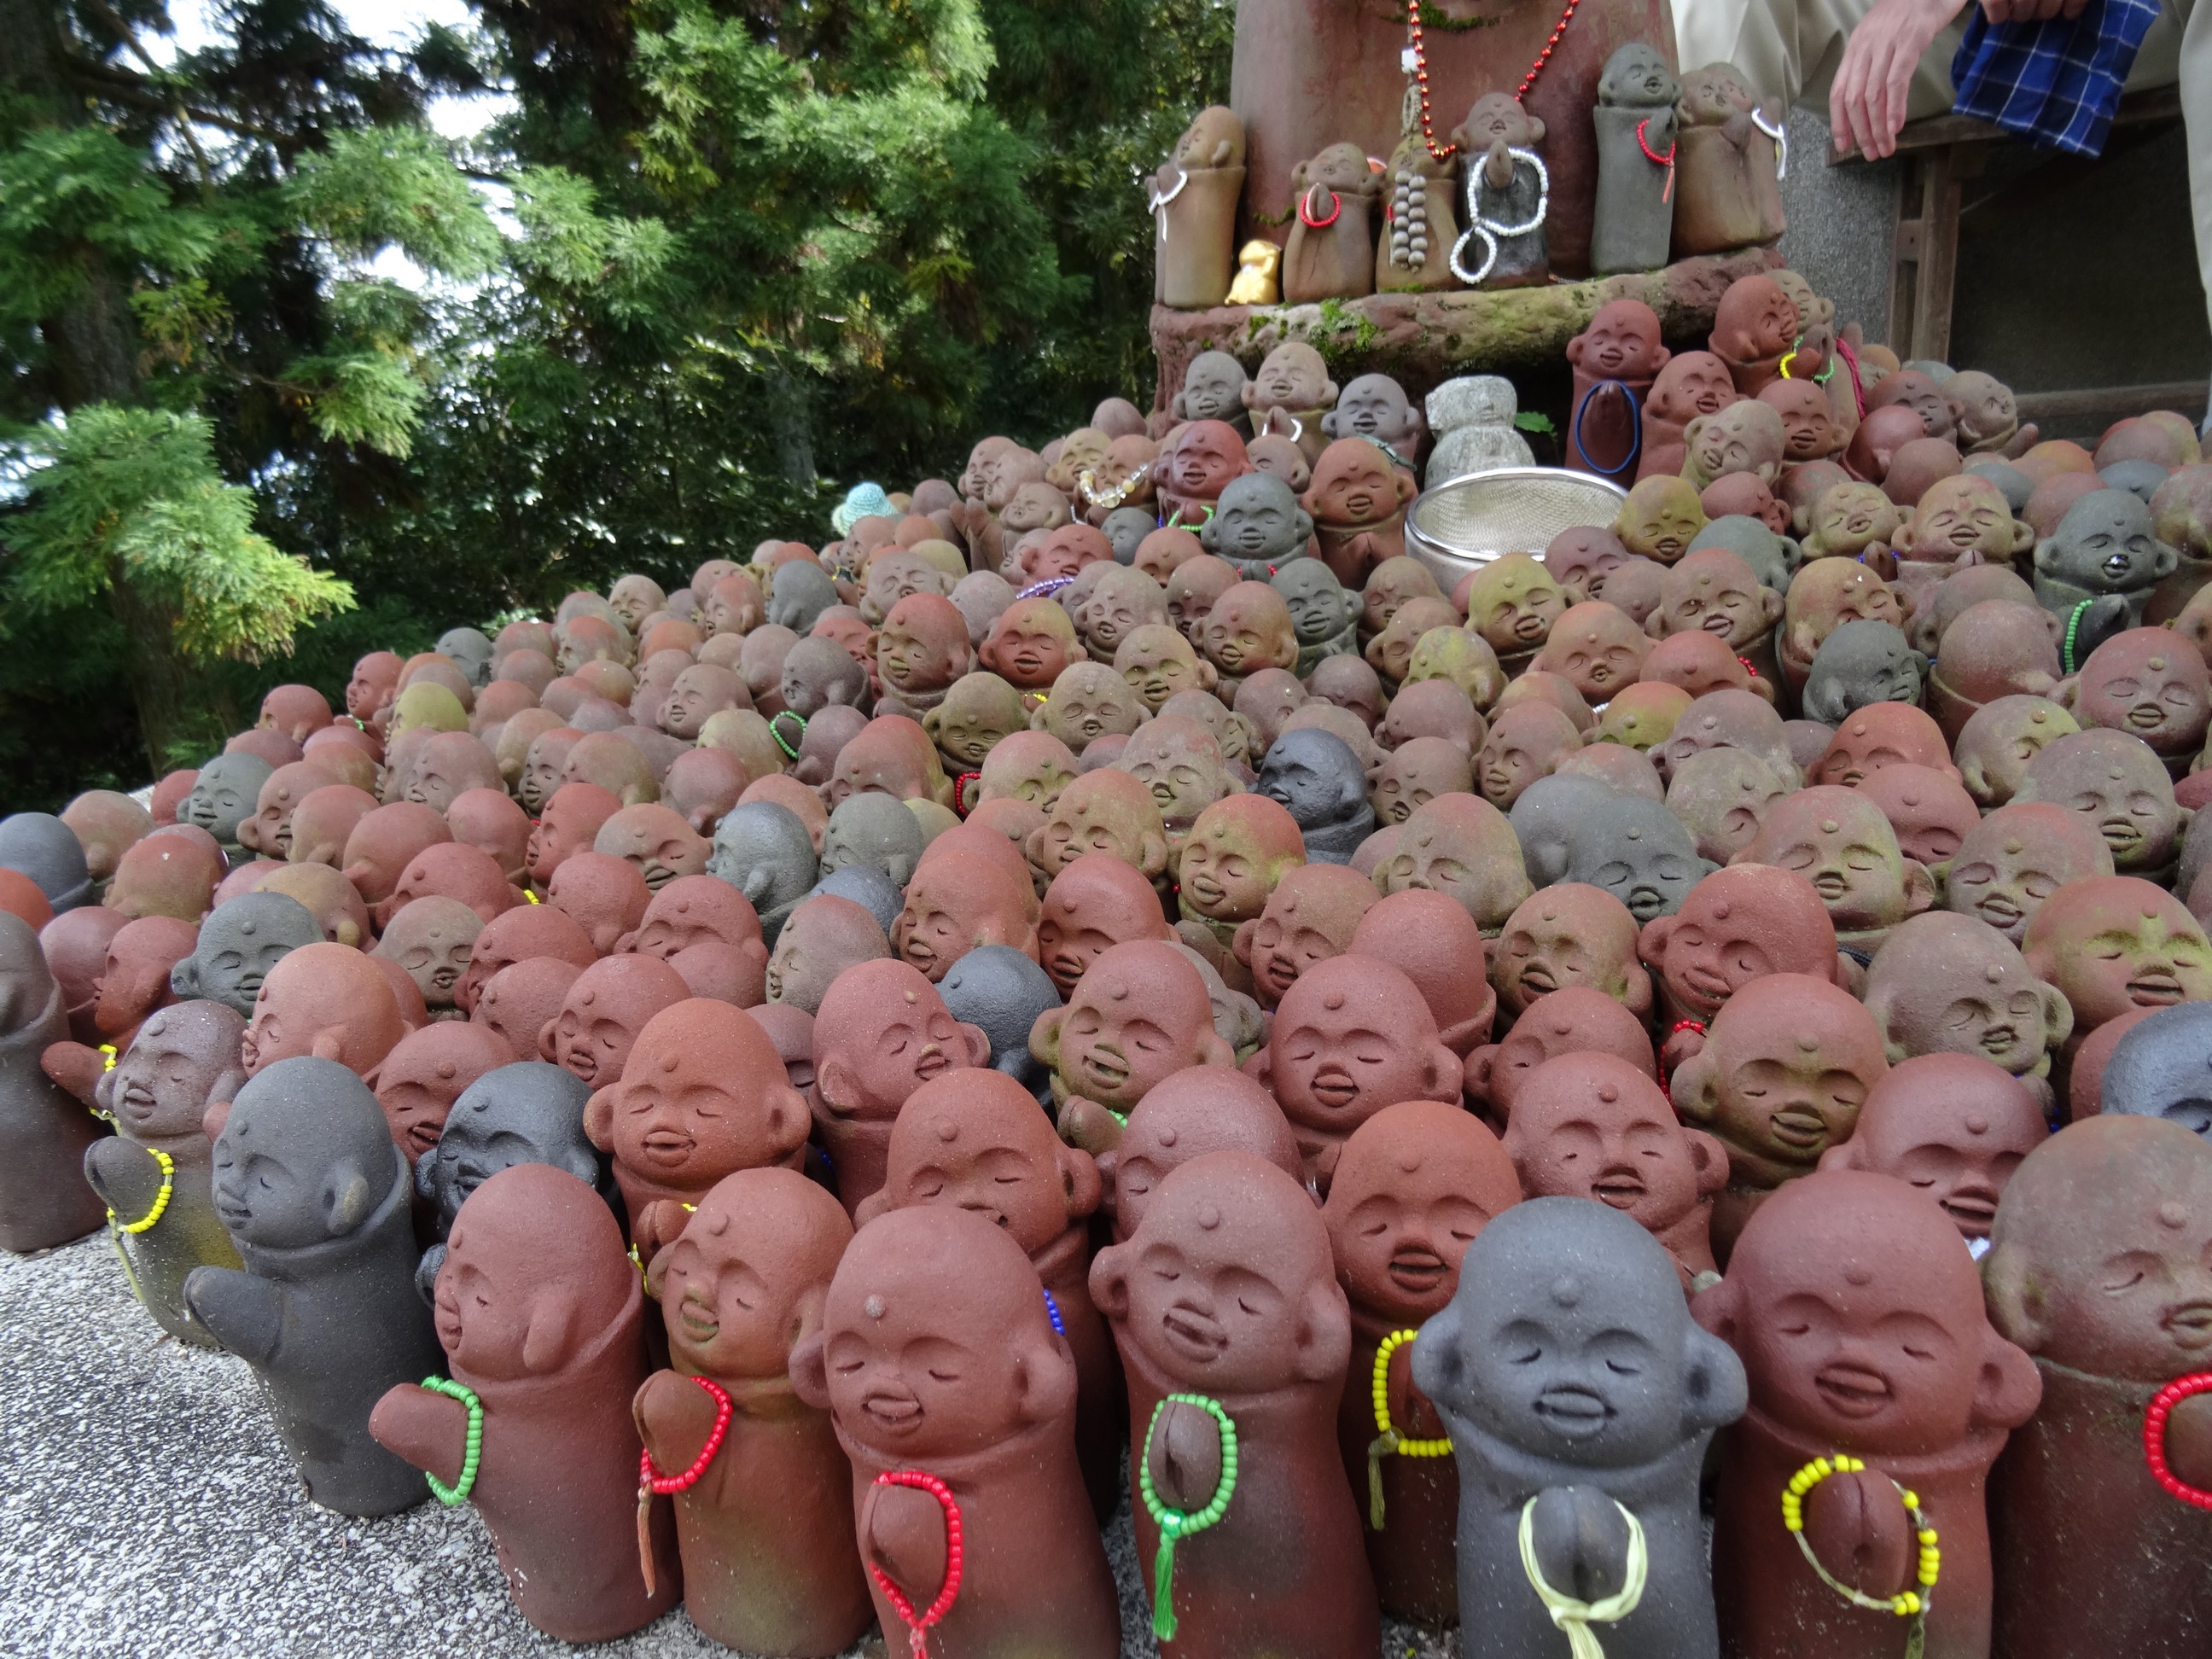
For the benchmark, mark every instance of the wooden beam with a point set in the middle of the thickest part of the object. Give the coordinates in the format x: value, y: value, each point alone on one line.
x: 1937, y: 131
x: 1936, y: 274
x: 1907, y: 234
x: 2185, y: 397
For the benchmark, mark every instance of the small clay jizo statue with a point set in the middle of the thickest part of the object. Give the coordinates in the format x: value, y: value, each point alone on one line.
x: 954, y: 1399
x: 1579, y: 1398
x: 766, y: 1529
x: 1508, y: 197
x: 154, y: 1172
x: 1636, y: 127
x: 1193, y: 202
x: 542, y: 1320
x: 314, y: 1196
x: 1330, y: 253
x: 1280, y: 1566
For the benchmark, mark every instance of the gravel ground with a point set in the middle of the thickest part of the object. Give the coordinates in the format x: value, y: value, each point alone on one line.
x: 152, y: 1469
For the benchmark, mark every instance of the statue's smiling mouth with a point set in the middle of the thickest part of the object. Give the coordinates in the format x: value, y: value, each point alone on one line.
x: 698, y: 1320
x: 1853, y: 1390
x: 2155, y: 987
x: 1798, y: 1127
x: 2190, y: 1324
x: 1574, y: 1411
x: 1105, y: 1067
x: 1620, y: 1187
x: 670, y: 1146
x: 1196, y: 1335
x: 1417, y: 1269
x: 1706, y: 982
x: 1972, y: 1206
x: 898, y: 1412
x: 1333, y: 1085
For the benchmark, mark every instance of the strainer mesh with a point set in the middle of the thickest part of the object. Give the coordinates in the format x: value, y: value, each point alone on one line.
x: 1472, y: 520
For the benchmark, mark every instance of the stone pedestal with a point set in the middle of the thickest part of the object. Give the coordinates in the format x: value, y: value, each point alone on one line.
x: 1420, y: 339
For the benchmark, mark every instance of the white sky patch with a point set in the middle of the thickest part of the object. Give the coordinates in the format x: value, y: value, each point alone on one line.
x: 395, y: 25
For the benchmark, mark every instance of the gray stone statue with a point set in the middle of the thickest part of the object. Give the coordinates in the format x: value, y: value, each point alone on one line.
x: 1257, y: 526
x: 224, y: 795
x: 1323, y: 611
x: 1634, y: 221
x: 1574, y: 829
x: 1862, y: 662
x: 2107, y: 544
x: 239, y: 942
x: 1315, y: 776
x: 2159, y: 1069
x: 873, y: 829
x: 764, y: 852
x: 314, y: 1196
x: 1579, y: 1398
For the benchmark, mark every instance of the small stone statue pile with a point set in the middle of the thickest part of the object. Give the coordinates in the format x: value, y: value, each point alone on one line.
x: 1685, y: 166
x: 1111, y: 952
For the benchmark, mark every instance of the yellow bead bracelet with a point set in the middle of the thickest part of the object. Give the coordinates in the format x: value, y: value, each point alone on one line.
x: 144, y: 1223
x: 1909, y: 1604
x: 161, y: 1200
x: 1389, y: 1440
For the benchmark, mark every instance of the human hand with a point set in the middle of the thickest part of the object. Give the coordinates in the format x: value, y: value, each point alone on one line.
x: 1866, y: 105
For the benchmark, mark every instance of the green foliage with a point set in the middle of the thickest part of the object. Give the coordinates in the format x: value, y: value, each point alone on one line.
x: 393, y: 187
x: 758, y: 250
x: 363, y: 397
x: 133, y: 495
x: 65, y: 191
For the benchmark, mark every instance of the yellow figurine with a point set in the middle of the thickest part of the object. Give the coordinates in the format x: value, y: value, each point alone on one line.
x: 1258, y: 265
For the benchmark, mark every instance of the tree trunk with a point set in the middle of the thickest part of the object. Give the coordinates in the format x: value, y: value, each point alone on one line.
x: 156, y: 673
x: 792, y: 422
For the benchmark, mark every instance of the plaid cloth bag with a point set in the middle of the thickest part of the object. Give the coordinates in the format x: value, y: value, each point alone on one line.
x: 2057, y: 82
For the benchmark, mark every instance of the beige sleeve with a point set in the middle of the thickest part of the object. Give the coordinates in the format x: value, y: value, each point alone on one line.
x: 1787, y: 51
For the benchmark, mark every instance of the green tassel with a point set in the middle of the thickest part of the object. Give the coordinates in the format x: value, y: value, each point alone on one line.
x: 115, y: 1237
x: 1916, y: 1642
x: 1378, y: 1449
x: 1163, y: 1619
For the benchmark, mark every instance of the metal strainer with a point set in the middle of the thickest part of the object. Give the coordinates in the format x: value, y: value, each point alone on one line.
x: 1462, y: 525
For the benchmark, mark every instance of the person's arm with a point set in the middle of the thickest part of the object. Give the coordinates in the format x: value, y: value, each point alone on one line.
x: 1867, y: 103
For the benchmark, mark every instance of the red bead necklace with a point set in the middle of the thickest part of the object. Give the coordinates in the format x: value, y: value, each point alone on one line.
x: 1656, y: 159
x: 1545, y: 56
x: 2153, y: 1435
x: 1305, y: 208
x: 917, y: 1627
x: 666, y: 1485
x: 1666, y: 1071
x: 1445, y: 152
x: 1421, y: 80
x: 651, y: 1481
